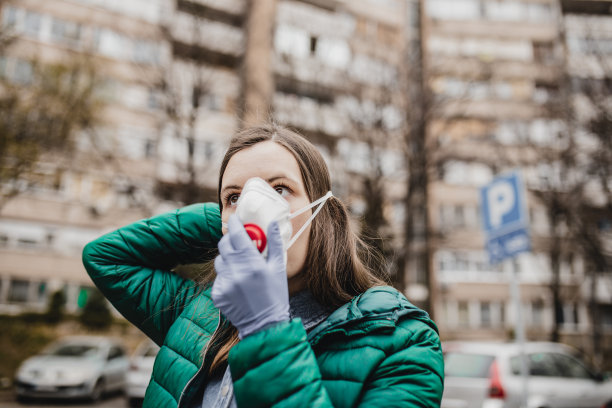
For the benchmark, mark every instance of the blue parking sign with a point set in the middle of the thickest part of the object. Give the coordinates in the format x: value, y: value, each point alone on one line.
x: 504, y: 217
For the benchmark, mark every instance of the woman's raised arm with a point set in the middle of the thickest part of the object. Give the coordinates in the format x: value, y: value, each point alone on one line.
x: 131, y: 266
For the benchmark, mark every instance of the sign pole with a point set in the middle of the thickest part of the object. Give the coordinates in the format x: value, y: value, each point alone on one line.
x: 519, y: 332
x: 505, y: 224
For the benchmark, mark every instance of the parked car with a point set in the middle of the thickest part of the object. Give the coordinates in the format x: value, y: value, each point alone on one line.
x: 139, y: 375
x: 487, y: 375
x: 74, y: 367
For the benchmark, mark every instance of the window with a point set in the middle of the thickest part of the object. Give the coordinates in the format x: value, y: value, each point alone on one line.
x: 454, y: 9
x: 313, y: 45
x: 544, y: 52
x: 145, y: 52
x: 149, y: 149
x: 9, y: 17
x: 459, y: 216
x: 464, y: 316
x: 569, y: 367
x: 537, y: 313
x: 291, y: 41
x: 467, y: 365
x: 32, y: 23
x: 208, y: 150
x: 570, y: 314
x: 213, y: 102
x: 23, y: 73
x: 18, y: 291
x: 333, y: 52
x: 110, y: 43
x: 66, y: 32
x: 421, y: 269
x: 540, y: 365
x: 485, y: 314
x: 41, y: 293
x: 115, y: 352
x: 27, y: 243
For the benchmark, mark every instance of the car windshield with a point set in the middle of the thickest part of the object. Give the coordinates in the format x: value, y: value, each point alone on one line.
x: 467, y: 365
x: 74, y: 350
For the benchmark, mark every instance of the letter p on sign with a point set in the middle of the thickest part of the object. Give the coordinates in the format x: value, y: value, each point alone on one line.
x: 504, y: 217
x: 502, y: 204
x: 500, y: 200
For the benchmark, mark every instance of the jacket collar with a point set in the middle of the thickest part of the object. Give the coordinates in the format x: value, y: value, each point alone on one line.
x: 377, y: 309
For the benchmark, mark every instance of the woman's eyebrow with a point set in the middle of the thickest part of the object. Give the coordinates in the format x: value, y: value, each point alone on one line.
x: 272, y: 179
x: 232, y: 187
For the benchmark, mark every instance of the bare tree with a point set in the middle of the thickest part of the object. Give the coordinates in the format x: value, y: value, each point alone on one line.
x: 42, y: 112
x: 181, y: 95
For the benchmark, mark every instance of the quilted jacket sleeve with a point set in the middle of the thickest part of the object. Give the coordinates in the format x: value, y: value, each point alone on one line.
x: 411, y: 377
x: 130, y: 265
x: 277, y: 368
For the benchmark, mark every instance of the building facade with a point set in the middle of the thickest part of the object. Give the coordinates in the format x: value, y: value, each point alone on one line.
x: 342, y: 73
x: 174, y: 88
x: 498, y: 72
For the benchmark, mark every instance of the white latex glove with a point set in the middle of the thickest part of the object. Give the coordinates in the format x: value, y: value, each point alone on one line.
x: 250, y: 291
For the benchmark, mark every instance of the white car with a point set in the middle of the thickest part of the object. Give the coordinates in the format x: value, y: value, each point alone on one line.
x: 74, y: 367
x: 140, y: 372
x: 487, y: 375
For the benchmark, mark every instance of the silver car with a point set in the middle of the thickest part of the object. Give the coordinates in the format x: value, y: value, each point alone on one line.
x: 74, y: 367
x: 140, y: 372
x: 487, y: 375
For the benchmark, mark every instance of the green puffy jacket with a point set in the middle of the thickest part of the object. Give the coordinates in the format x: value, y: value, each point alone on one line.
x: 377, y: 350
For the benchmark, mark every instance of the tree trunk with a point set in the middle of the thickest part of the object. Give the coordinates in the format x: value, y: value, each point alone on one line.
x: 555, y: 262
x: 257, y: 72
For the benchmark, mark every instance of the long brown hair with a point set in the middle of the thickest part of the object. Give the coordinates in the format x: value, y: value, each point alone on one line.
x: 339, y: 265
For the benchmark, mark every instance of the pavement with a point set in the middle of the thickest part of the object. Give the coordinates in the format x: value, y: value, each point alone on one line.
x: 7, y: 400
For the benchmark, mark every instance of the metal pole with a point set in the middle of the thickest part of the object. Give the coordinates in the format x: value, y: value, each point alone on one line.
x: 519, y: 331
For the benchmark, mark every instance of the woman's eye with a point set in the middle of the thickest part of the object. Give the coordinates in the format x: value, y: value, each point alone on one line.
x: 282, y: 190
x: 233, y: 199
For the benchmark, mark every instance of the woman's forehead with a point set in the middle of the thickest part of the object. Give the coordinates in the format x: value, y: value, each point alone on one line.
x: 266, y: 160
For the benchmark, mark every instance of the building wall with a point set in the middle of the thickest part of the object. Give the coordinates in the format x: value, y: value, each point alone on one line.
x: 494, y: 68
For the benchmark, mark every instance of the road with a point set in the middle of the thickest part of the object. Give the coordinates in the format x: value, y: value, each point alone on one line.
x: 7, y: 401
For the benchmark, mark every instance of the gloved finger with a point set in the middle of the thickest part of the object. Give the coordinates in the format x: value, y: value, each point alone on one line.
x: 237, y: 234
x: 225, y: 245
x: 216, y: 293
x: 276, y: 250
x: 221, y: 267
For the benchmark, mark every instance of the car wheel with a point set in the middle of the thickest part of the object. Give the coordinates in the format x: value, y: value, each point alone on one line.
x: 135, y: 402
x: 97, y: 391
x: 22, y: 399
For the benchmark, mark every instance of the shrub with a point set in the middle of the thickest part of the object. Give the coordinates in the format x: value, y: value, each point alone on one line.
x: 55, y: 310
x: 96, y: 313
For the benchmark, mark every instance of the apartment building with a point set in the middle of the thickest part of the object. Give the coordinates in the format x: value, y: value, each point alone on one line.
x: 494, y: 68
x: 587, y: 29
x: 173, y: 84
x: 338, y: 69
x: 140, y: 49
x: 43, y: 230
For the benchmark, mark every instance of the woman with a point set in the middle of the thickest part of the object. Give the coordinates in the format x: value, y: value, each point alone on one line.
x: 312, y: 326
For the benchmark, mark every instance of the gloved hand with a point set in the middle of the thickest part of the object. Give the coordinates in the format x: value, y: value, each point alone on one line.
x: 249, y: 290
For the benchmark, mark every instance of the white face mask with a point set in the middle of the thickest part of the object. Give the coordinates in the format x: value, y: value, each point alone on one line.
x: 259, y: 204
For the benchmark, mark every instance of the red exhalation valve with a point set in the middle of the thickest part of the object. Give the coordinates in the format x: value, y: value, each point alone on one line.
x: 257, y: 235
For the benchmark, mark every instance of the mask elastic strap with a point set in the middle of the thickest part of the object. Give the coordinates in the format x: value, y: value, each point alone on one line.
x: 309, y: 206
x: 318, y: 202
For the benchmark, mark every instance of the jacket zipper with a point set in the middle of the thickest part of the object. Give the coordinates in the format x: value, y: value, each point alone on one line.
x: 203, y: 362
